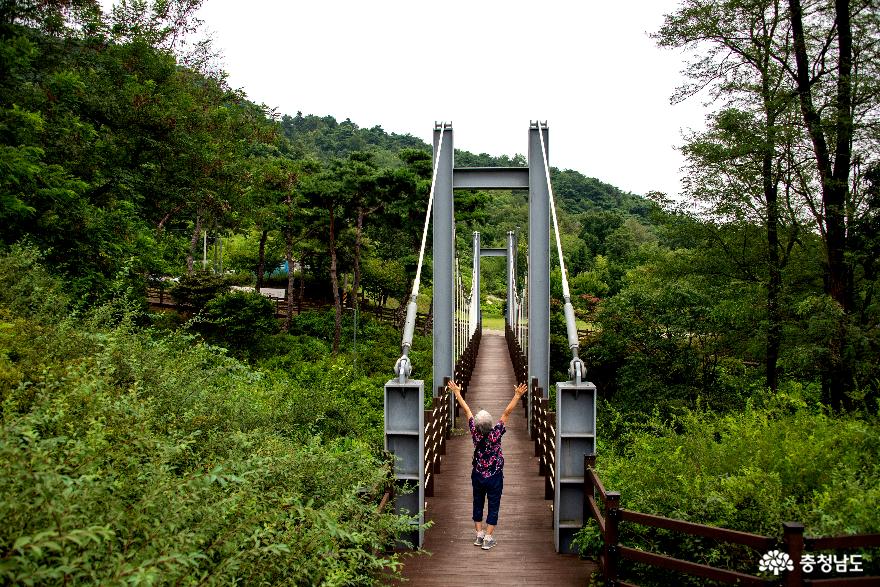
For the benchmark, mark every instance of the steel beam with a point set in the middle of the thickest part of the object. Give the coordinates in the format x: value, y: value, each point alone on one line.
x: 511, y: 278
x: 478, y: 307
x: 491, y: 178
x: 443, y: 253
x: 539, y: 262
x: 486, y: 252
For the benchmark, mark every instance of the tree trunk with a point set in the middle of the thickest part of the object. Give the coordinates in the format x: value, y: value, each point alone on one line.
x: 167, y: 217
x: 774, y: 264
x: 357, y: 254
x: 288, y: 257
x: 193, y: 244
x: 302, y: 289
x: 774, y: 287
x: 334, y: 281
x: 837, y: 377
x: 261, y: 265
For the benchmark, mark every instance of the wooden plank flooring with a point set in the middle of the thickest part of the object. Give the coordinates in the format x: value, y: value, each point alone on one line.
x: 525, y: 553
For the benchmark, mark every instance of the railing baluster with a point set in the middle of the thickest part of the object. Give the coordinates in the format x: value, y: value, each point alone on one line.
x: 612, y: 517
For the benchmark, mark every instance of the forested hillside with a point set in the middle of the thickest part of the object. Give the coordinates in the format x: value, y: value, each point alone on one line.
x: 733, y: 333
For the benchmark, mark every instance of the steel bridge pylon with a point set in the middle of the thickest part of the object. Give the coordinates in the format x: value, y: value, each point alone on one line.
x: 404, y: 397
x: 531, y: 178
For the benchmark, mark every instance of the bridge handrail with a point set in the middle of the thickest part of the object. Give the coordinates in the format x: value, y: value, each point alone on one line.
x: 543, y: 432
x: 517, y: 357
x: 435, y: 441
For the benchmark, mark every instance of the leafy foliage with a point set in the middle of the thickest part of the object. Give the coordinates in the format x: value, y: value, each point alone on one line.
x: 196, y: 290
x: 238, y: 319
x: 131, y: 456
x: 780, y: 458
x: 138, y: 455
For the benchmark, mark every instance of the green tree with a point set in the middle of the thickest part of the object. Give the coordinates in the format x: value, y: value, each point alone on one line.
x: 397, y: 235
x: 736, y: 167
x: 360, y: 180
x: 325, y: 192
x: 838, y: 102
x: 748, y: 166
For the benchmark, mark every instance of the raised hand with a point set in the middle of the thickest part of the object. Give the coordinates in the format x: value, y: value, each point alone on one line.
x: 520, y: 390
x: 453, y: 387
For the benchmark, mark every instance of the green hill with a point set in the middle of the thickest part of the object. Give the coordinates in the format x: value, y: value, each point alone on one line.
x: 326, y: 138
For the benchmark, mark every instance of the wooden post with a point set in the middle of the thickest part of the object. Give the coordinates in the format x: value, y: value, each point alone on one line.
x: 429, y: 486
x: 549, y: 470
x: 542, y: 430
x: 589, y: 488
x: 430, y: 448
x: 438, y: 407
x: 537, y: 424
x: 447, y: 433
x: 612, y: 518
x: 793, y: 537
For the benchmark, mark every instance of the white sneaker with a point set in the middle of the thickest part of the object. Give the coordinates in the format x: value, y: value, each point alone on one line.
x: 489, y: 542
x: 479, y: 540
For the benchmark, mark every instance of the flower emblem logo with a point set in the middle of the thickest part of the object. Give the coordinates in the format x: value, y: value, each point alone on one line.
x: 776, y: 560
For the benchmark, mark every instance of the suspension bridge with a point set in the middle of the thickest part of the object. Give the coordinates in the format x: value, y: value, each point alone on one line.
x: 543, y: 502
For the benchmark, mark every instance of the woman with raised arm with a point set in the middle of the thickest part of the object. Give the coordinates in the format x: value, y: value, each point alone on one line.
x: 487, y: 477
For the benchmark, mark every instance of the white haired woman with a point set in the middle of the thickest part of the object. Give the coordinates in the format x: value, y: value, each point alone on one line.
x: 487, y: 476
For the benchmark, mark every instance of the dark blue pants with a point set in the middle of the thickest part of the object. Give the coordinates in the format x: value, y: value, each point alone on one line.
x: 487, y: 488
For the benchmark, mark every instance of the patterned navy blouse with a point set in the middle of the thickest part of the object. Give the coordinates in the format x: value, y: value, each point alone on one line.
x: 489, y: 460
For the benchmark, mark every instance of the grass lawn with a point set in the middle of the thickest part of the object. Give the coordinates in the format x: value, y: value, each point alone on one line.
x: 497, y: 323
x: 493, y: 323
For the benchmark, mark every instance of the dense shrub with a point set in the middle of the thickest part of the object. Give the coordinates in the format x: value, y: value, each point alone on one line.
x: 27, y: 288
x: 675, y: 341
x: 779, y: 459
x: 193, y: 292
x: 238, y: 319
x: 134, y: 457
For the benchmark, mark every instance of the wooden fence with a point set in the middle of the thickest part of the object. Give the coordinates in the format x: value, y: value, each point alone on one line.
x: 794, y: 543
x: 517, y: 358
x: 159, y: 297
x: 543, y: 432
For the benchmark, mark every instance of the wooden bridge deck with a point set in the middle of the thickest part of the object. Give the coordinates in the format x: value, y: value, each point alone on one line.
x: 525, y: 553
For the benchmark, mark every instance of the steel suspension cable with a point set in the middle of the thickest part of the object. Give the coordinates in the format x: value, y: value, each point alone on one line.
x: 460, y: 311
x: 565, y: 291
x: 403, y: 367
x: 577, y: 370
x: 415, y: 291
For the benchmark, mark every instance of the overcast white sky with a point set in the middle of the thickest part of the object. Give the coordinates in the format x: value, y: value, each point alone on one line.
x: 587, y: 67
